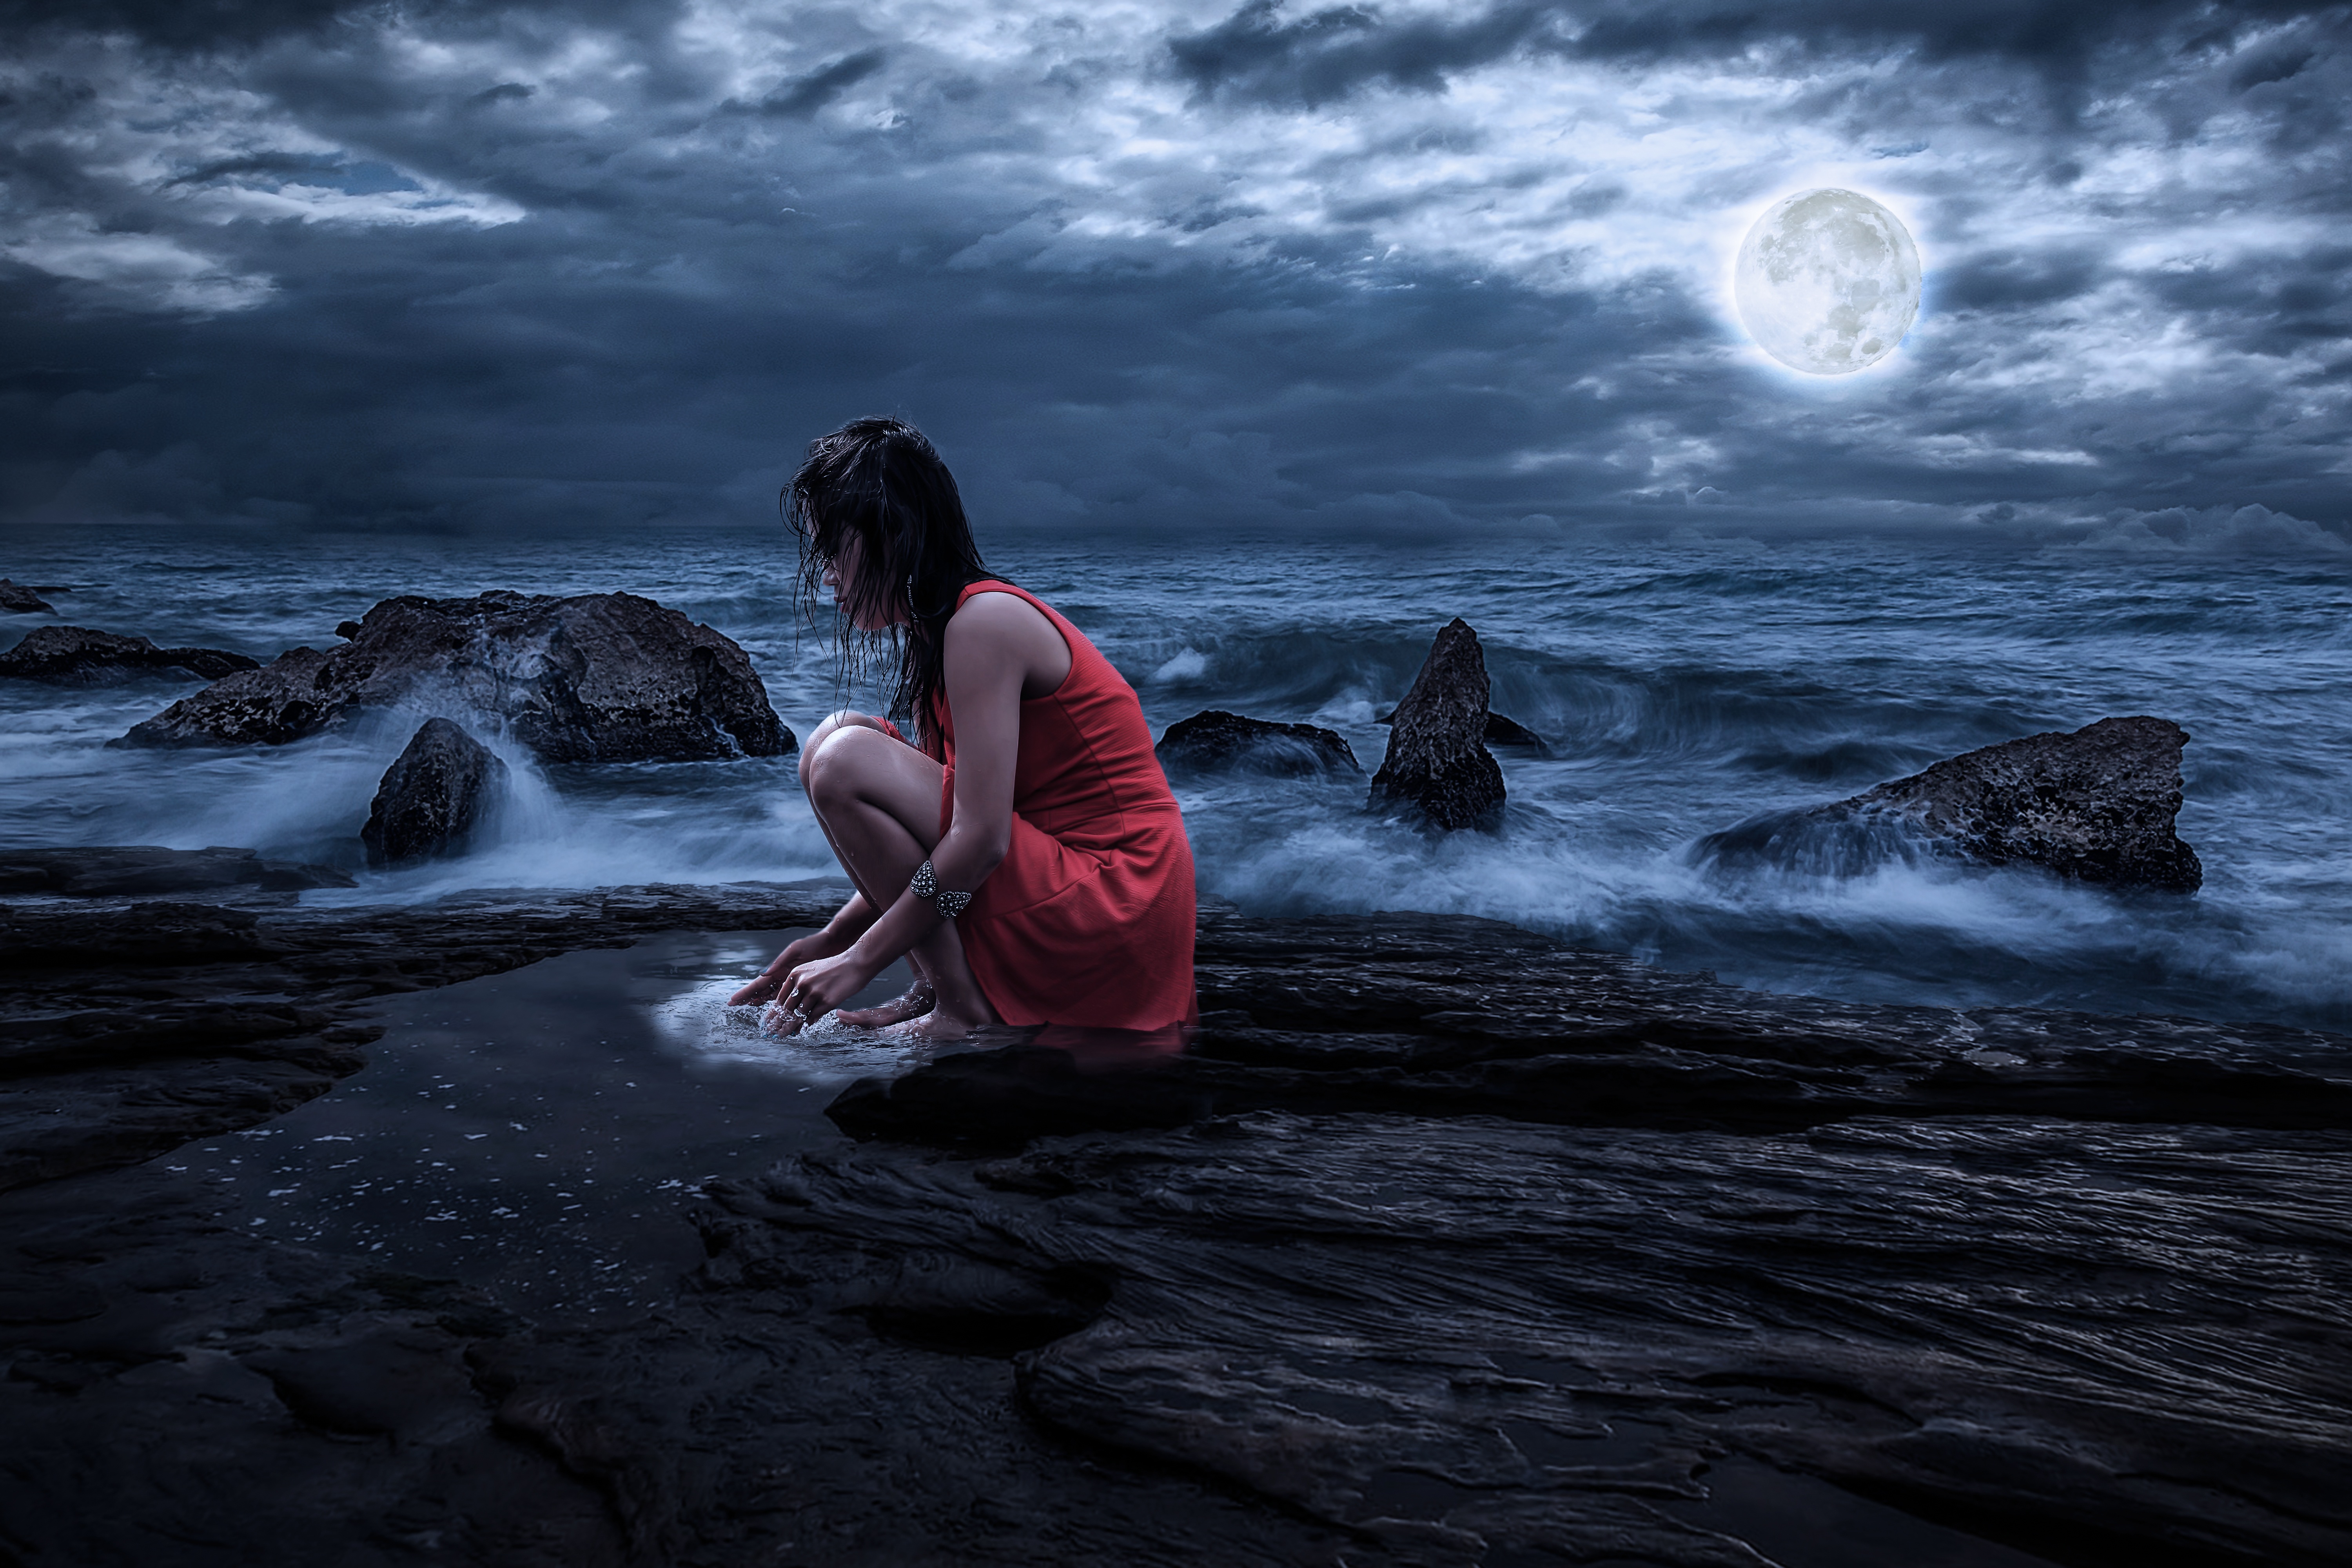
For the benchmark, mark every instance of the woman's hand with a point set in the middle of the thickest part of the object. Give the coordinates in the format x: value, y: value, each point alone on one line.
x: 818, y: 987
x: 817, y: 944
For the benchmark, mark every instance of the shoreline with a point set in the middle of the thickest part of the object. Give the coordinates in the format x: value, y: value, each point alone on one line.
x: 1420, y: 1180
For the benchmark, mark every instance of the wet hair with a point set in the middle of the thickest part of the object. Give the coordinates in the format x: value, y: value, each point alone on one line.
x: 879, y: 482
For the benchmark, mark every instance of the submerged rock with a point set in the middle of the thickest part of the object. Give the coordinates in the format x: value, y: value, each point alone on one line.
x: 76, y: 656
x: 2095, y: 805
x: 1217, y: 740
x: 140, y: 871
x: 16, y: 599
x: 432, y: 797
x: 1437, y: 761
x: 595, y: 677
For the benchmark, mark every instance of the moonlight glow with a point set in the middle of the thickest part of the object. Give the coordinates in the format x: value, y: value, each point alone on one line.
x: 1828, y: 281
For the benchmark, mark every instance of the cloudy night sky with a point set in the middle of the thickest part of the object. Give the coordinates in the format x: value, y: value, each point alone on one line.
x: 1175, y: 267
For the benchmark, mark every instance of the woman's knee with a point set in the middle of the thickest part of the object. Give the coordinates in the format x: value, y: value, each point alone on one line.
x: 834, y: 724
x: 836, y: 759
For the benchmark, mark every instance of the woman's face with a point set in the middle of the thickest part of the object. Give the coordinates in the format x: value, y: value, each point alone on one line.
x: 867, y: 604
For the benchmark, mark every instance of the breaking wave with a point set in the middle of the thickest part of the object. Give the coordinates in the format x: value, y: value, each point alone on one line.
x: 1695, y: 707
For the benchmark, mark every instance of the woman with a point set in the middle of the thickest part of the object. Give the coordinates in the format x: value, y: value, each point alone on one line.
x: 1028, y: 859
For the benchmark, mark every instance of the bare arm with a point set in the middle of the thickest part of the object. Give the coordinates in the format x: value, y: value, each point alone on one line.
x: 998, y: 647
x: 848, y: 923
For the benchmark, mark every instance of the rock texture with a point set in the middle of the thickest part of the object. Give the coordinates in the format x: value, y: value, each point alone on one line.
x: 1501, y: 730
x: 1218, y: 741
x: 16, y: 599
x: 432, y: 797
x: 1436, y: 764
x: 1447, y: 1015
x: 128, y: 1029
x: 1446, y: 1245
x: 1472, y: 1342
x: 2096, y: 805
x: 597, y: 678
x: 142, y: 871
x: 76, y: 656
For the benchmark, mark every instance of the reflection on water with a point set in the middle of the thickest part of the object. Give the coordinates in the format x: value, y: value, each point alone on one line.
x: 534, y: 1131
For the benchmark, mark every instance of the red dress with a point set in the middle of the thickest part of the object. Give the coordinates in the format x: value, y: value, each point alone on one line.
x: 1090, y: 919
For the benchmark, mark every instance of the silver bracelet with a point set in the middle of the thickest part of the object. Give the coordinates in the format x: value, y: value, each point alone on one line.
x: 926, y: 886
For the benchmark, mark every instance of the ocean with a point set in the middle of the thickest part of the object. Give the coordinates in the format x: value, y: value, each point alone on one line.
x: 1681, y: 687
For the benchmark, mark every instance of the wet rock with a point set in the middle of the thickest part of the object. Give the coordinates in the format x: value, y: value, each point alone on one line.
x: 432, y: 797
x: 597, y: 677
x: 76, y: 656
x: 239, y: 1400
x: 1501, y: 730
x: 1446, y: 1244
x: 1437, y: 765
x: 132, y: 1027
x: 2095, y: 805
x: 1488, y: 1339
x: 1219, y: 740
x: 1443, y: 1017
x: 16, y: 599
x: 137, y: 870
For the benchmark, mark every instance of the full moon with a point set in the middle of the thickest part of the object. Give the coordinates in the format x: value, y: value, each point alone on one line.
x: 1828, y: 281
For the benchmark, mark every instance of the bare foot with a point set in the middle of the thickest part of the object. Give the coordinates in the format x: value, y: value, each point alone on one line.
x: 938, y: 1025
x: 915, y: 1001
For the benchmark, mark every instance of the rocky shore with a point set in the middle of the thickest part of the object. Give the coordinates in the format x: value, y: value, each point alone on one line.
x: 1443, y: 1244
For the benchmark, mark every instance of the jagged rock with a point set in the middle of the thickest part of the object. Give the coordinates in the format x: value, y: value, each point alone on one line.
x: 432, y: 797
x: 16, y: 599
x: 1216, y: 739
x: 76, y: 656
x: 597, y: 677
x: 1437, y: 761
x: 2095, y: 805
x: 139, y: 870
x: 1501, y: 730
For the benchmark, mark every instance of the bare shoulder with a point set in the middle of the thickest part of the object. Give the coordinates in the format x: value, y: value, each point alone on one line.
x: 1009, y: 626
x: 993, y: 611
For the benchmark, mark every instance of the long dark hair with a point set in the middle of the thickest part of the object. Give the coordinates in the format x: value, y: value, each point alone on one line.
x: 880, y: 482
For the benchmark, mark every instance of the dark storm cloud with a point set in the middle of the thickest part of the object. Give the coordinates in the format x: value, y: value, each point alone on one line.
x: 279, y: 164
x: 803, y: 96
x: 214, y: 24
x: 1260, y: 51
x: 175, y: 23
x: 478, y: 267
x: 1268, y: 51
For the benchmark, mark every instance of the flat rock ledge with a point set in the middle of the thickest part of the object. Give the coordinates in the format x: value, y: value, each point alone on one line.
x: 595, y: 678
x: 143, y: 869
x: 1445, y: 1245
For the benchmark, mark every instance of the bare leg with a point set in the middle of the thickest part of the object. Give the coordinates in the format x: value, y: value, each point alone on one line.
x: 879, y: 802
x: 920, y: 994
